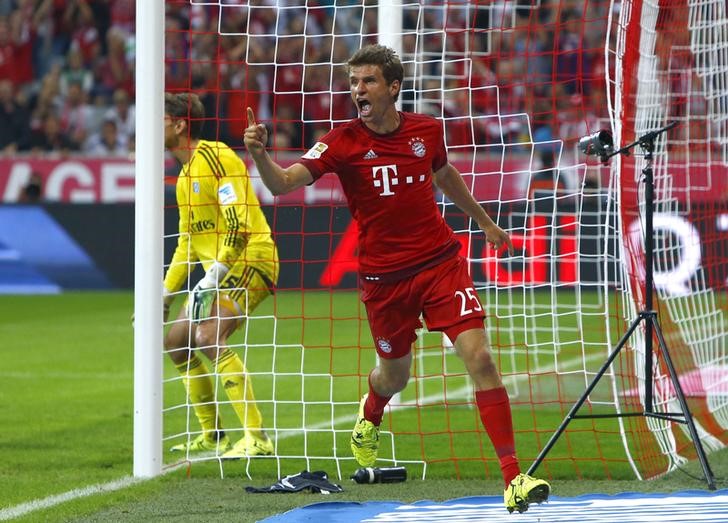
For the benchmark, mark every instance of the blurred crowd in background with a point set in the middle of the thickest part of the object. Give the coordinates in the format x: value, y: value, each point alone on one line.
x: 67, y: 76
x: 67, y: 69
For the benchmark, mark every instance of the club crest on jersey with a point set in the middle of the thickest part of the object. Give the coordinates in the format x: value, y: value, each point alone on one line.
x: 315, y: 152
x: 196, y: 187
x: 418, y: 147
x: 384, y: 345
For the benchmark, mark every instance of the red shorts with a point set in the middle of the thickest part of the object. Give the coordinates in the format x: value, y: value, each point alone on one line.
x: 444, y: 295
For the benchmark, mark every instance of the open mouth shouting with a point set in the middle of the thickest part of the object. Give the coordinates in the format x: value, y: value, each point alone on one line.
x: 365, y: 107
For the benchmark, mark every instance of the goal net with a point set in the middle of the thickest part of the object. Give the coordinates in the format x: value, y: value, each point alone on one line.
x: 516, y: 85
x: 671, y: 65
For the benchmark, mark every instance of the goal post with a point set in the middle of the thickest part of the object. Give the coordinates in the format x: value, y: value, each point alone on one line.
x: 148, y: 239
x: 516, y: 84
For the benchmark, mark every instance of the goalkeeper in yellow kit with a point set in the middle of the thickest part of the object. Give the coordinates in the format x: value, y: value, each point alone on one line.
x: 221, y: 227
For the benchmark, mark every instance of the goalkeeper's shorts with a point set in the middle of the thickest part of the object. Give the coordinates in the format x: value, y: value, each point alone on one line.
x: 242, y: 290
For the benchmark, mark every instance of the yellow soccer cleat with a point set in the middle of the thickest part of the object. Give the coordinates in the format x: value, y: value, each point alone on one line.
x: 250, y: 446
x: 204, y: 443
x: 364, y: 438
x: 524, y: 490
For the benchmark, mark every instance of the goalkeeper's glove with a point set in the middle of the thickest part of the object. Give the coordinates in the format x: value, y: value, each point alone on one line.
x: 205, y: 292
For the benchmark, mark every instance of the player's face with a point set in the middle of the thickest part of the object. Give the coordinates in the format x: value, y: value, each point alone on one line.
x: 374, y: 99
x: 171, y: 140
x: 173, y: 129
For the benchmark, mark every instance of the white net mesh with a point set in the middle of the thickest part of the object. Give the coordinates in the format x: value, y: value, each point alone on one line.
x: 516, y: 84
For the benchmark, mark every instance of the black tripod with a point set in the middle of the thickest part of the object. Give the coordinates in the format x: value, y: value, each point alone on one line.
x: 649, y: 317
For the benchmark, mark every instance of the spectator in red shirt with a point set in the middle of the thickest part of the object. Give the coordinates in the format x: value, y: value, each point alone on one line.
x: 23, y: 35
x: 122, y: 15
x: 85, y: 36
x: 7, y: 52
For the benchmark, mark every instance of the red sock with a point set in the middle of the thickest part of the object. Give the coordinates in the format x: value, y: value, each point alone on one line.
x: 374, y: 405
x: 495, y: 413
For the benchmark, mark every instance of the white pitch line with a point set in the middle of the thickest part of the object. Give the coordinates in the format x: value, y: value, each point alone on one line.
x: 51, y: 501
x: 57, y: 499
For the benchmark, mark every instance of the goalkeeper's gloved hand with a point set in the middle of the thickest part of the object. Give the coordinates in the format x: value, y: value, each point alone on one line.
x: 205, y: 292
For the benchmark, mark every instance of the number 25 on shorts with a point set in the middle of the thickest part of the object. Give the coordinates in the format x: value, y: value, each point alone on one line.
x: 468, y: 300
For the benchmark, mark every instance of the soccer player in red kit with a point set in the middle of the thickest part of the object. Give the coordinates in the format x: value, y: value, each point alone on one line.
x: 409, y: 259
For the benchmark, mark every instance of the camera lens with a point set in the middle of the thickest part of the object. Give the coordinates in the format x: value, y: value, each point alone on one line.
x: 597, y: 144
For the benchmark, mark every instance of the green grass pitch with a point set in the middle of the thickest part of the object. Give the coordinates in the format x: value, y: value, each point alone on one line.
x: 66, y: 403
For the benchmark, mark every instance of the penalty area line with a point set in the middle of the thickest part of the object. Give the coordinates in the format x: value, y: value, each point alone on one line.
x: 56, y: 499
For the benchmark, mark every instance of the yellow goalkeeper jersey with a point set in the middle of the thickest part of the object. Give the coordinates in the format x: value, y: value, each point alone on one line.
x: 220, y: 218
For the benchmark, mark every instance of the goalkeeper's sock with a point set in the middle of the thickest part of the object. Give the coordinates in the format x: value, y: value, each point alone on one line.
x: 495, y: 413
x: 239, y: 388
x: 374, y: 405
x: 199, y: 385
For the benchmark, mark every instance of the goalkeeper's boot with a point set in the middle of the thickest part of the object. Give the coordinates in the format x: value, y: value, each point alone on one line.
x: 212, y: 442
x: 524, y: 490
x: 364, y: 438
x: 254, y: 443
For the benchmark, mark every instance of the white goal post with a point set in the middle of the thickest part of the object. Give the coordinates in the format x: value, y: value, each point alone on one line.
x: 148, y: 238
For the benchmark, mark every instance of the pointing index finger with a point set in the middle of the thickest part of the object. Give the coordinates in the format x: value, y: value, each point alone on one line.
x: 251, y: 117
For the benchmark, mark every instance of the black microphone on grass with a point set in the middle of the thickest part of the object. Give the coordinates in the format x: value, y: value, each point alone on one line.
x: 380, y: 475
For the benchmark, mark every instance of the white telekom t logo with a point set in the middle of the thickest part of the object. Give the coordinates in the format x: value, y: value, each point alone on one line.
x: 387, y: 181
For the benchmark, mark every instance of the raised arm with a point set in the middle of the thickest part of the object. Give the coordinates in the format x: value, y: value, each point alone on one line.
x: 277, y: 179
x: 451, y: 183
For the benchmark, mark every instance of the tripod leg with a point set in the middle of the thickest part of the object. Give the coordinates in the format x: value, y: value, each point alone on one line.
x: 551, y: 442
x: 707, y: 472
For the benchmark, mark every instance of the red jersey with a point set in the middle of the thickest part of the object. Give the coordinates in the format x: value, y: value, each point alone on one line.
x: 387, y: 180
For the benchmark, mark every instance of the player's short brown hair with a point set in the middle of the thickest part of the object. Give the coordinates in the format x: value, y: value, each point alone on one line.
x: 385, y: 57
x: 186, y: 106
